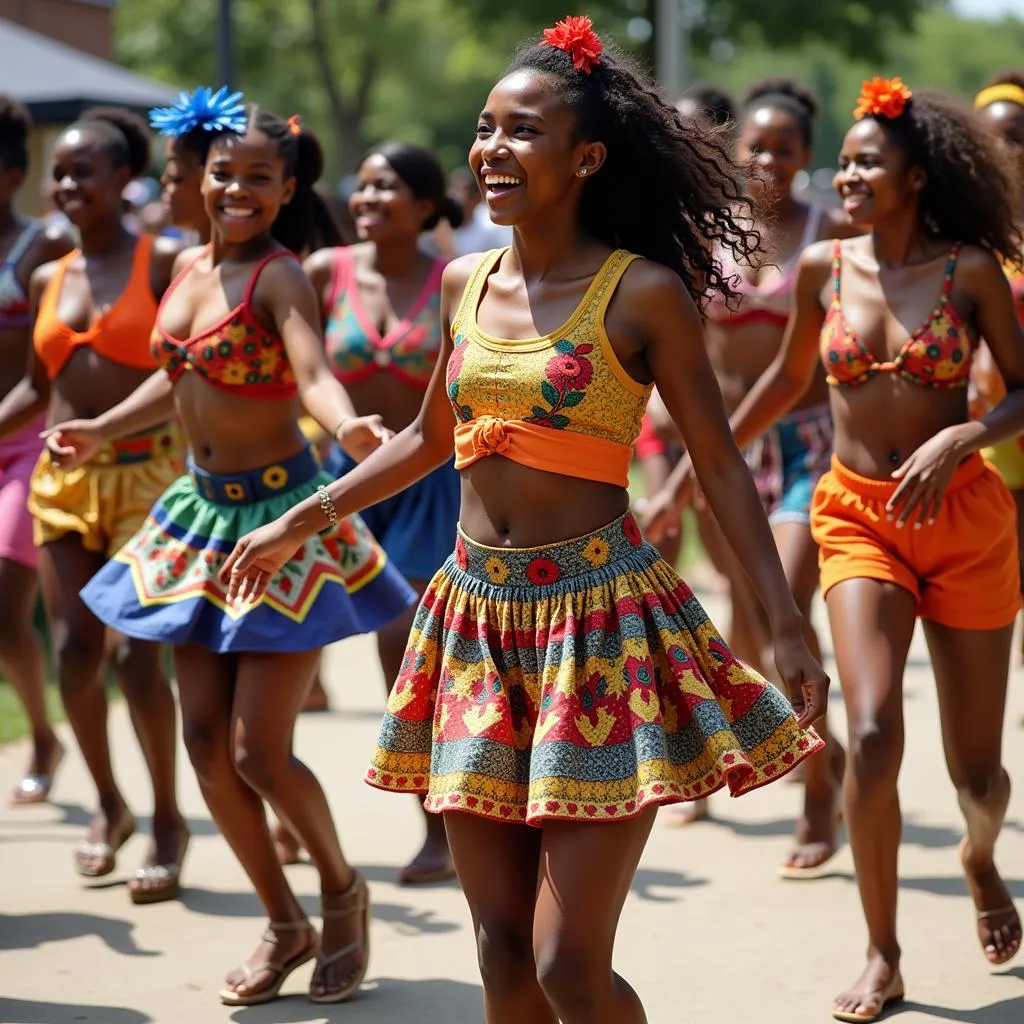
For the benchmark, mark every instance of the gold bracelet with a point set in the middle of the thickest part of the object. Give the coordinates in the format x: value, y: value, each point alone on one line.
x: 327, y: 506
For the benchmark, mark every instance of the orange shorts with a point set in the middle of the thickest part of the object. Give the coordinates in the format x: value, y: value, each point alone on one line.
x: 963, y: 570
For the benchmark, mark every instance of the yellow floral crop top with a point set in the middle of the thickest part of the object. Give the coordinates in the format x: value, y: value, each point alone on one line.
x: 561, y: 403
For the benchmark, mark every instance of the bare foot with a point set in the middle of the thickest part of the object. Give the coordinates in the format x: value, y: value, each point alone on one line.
x: 688, y: 813
x: 283, y: 947
x: 879, y: 986
x: 287, y: 846
x: 432, y: 864
x: 317, y: 699
x: 345, y: 944
x: 109, y: 830
x: 999, y: 927
x: 158, y: 878
x: 817, y: 830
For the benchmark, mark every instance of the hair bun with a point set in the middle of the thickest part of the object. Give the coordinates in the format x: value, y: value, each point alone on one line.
x: 451, y: 210
x: 783, y: 85
x: 1007, y: 78
x: 132, y: 127
x: 309, y: 160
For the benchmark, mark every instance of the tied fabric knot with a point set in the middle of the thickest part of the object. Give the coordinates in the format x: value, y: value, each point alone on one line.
x: 490, y: 436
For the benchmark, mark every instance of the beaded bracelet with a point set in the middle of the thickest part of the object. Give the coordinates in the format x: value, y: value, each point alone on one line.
x: 326, y: 505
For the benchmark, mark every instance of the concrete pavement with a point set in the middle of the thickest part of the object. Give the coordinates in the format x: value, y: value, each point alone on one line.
x: 709, y: 933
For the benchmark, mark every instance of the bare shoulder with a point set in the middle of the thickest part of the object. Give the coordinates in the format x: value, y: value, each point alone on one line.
x: 283, y: 280
x: 53, y: 243
x: 977, y: 265
x: 320, y: 265
x: 835, y: 224
x: 457, y: 273
x: 184, y: 257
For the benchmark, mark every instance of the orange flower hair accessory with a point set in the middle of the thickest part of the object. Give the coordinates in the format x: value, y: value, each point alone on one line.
x: 293, y: 124
x: 576, y: 37
x: 882, y: 97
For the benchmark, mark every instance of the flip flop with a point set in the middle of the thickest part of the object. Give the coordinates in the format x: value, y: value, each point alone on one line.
x: 105, y: 852
x: 34, y: 787
x: 413, y: 876
x: 282, y: 971
x: 886, y: 998
x: 166, y: 876
x: 690, y: 812
x: 354, y: 900
x: 1007, y: 910
x: 812, y: 871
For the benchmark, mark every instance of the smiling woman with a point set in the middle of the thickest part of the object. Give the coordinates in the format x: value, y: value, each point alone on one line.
x: 239, y: 345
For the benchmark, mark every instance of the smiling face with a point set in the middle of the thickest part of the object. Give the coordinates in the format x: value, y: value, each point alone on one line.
x: 244, y: 186
x: 182, y: 184
x: 771, y: 144
x: 527, y: 157
x: 383, y: 206
x: 1006, y: 119
x: 875, y: 180
x: 86, y: 186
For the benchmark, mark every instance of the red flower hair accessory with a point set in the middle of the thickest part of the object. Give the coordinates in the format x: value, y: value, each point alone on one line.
x: 576, y: 37
x: 882, y: 97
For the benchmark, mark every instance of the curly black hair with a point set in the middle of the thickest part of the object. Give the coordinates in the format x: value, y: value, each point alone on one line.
x: 713, y: 101
x: 15, y: 126
x: 125, y: 136
x: 788, y: 95
x: 668, y: 189
x: 970, y: 193
x: 305, y: 224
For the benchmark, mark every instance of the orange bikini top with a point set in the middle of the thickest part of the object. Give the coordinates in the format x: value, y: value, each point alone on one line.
x: 561, y: 403
x: 937, y: 355
x: 120, y: 334
x: 237, y: 353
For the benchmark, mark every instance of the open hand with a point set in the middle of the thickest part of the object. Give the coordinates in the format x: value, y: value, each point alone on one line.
x: 803, y: 677
x: 72, y: 443
x: 361, y: 435
x: 256, y: 559
x: 923, y: 479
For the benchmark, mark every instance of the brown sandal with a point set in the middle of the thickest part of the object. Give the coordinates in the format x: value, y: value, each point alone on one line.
x: 106, y: 853
x: 271, y: 992
x: 354, y: 900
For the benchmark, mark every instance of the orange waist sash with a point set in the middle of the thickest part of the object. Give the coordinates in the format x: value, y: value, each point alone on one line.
x: 544, y: 448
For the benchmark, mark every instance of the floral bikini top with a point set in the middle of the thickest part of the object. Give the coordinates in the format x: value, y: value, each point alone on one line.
x: 561, y: 403
x: 937, y: 355
x: 236, y: 354
x: 355, y: 348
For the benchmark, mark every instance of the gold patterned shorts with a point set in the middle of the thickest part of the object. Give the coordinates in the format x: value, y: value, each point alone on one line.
x: 106, y: 500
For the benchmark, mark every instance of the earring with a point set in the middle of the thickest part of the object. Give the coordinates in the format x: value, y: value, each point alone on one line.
x: 583, y: 172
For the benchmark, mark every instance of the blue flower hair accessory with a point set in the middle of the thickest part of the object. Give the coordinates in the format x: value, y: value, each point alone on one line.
x: 211, y: 111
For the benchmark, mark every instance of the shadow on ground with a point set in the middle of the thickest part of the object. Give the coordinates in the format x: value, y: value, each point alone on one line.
x: 30, y: 1011
x: 32, y: 931
x: 382, y: 1001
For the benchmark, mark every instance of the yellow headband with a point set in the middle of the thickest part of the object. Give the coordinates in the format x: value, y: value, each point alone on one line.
x: 1005, y: 93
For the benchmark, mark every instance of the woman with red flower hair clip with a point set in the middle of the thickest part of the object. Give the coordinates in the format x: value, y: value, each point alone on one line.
x: 561, y: 682
x: 910, y: 521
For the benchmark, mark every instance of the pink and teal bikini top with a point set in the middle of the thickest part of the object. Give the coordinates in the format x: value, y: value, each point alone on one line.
x: 14, y: 305
x: 355, y: 348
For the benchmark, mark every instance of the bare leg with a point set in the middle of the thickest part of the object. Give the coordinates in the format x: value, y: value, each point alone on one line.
x: 139, y: 671
x: 1018, y: 500
x: 656, y: 470
x: 269, y: 691
x: 23, y: 664
x: 433, y: 863
x: 498, y: 866
x: 872, y: 626
x: 971, y: 668
x: 585, y: 874
x: 64, y: 568
x: 817, y: 830
x: 206, y: 688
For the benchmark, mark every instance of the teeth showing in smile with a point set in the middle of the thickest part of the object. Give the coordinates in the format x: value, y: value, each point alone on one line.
x: 238, y: 211
x: 502, y: 179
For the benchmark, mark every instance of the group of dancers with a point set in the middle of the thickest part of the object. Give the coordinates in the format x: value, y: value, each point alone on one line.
x: 552, y: 681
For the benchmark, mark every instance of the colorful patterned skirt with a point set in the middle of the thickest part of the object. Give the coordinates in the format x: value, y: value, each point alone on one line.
x: 163, y: 585
x: 580, y: 681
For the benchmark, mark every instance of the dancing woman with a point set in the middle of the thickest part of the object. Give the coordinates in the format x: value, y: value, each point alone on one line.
x: 25, y: 245
x: 94, y: 310
x: 561, y: 681
x: 239, y: 344
x: 381, y: 309
x: 910, y: 520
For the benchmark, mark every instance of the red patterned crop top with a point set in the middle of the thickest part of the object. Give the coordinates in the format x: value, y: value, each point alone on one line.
x: 355, y: 348
x: 937, y: 355
x: 236, y: 354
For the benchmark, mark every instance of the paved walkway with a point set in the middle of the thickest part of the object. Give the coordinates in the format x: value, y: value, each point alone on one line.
x: 710, y: 934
